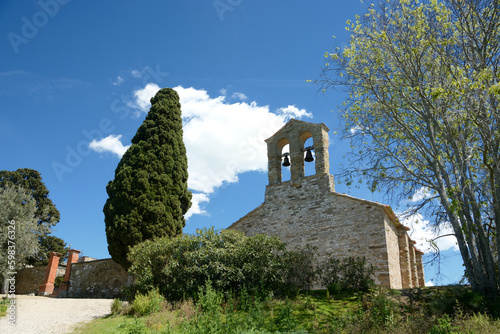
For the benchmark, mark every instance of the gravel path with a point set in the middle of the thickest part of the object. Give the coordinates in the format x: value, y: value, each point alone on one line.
x: 43, y: 315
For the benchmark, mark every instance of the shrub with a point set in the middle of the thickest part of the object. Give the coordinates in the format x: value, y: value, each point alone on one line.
x: 116, y: 306
x: 351, y: 273
x: 302, y: 272
x: 180, y: 266
x: 4, y: 303
x: 58, y: 280
x: 147, y: 304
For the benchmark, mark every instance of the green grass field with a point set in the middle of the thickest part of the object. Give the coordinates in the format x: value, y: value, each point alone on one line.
x: 430, y: 310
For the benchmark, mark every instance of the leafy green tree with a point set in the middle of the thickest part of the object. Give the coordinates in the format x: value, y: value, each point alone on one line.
x: 149, y: 197
x: 423, y: 115
x: 46, y: 212
x: 19, y: 228
x: 31, y: 181
x: 48, y: 244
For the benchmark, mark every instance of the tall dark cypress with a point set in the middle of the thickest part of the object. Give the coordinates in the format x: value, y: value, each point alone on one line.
x: 149, y: 196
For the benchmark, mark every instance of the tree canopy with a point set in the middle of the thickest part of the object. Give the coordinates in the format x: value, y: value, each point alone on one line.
x: 422, y: 115
x: 19, y: 228
x: 31, y: 181
x: 148, y: 196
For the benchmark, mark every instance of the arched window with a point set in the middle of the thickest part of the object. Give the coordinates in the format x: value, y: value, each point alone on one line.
x: 284, y: 149
x: 309, y: 167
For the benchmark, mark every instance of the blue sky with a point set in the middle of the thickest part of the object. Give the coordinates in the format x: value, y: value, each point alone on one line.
x: 76, y: 78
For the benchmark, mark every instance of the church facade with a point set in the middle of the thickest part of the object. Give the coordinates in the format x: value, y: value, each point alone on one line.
x: 307, y: 210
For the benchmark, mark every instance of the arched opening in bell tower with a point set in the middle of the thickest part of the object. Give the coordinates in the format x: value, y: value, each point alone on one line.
x: 309, y: 155
x: 284, y: 149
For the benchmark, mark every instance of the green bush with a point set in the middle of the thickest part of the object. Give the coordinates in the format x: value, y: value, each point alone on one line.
x: 179, y: 267
x: 146, y: 304
x: 4, y: 303
x: 302, y: 270
x: 351, y: 274
x: 116, y: 306
x: 58, y: 280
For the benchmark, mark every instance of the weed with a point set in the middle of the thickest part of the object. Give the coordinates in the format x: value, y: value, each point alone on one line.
x: 4, y: 302
x: 116, y: 306
x: 147, y: 304
x: 285, y: 320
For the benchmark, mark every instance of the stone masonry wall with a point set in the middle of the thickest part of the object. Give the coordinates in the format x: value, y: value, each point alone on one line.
x: 28, y: 280
x: 96, y: 279
x: 391, y: 235
x: 310, y: 212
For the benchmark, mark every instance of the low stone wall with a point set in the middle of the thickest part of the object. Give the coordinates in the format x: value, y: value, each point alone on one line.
x: 96, y: 279
x: 28, y: 280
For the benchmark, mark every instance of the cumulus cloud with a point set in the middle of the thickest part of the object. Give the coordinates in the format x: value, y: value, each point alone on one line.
x: 110, y: 144
x: 222, y: 139
x: 143, y: 96
x: 429, y: 283
x: 424, y: 233
x: 196, y: 209
x: 293, y: 112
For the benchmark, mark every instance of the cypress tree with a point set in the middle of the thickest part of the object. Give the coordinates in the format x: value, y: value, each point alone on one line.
x: 149, y: 196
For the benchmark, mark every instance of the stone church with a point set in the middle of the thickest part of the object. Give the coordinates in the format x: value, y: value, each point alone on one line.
x: 307, y: 210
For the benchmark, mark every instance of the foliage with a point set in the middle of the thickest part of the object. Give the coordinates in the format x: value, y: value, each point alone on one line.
x: 48, y: 244
x: 303, y: 272
x: 149, y: 197
x: 377, y: 311
x: 58, y: 280
x: 351, y: 274
x: 19, y: 228
x: 231, y: 261
x: 4, y: 303
x: 47, y: 215
x: 31, y: 181
x: 423, y: 115
x: 146, y: 304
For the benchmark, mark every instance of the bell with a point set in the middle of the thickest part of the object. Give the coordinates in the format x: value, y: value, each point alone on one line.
x: 309, y: 156
x: 286, y: 162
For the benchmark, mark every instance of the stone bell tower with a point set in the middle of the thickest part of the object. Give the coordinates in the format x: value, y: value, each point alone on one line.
x: 307, y: 211
x: 295, y: 133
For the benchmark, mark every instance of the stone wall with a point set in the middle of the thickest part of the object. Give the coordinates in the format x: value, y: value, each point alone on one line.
x: 28, y: 280
x: 311, y: 212
x: 96, y: 279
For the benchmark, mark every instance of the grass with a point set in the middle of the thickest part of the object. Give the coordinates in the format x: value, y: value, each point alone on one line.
x: 109, y: 324
x: 380, y: 311
x: 4, y: 303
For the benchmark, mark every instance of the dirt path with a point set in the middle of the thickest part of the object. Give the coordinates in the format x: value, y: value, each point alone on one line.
x: 43, y: 315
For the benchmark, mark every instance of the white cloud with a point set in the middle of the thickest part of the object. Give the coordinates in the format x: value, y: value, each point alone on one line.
x: 223, y: 91
x: 239, y: 96
x: 294, y: 112
x: 222, y: 139
x: 119, y: 80
x: 429, y: 283
x: 355, y: 129
x: 421, y: 194
x: 111, y: 144
x: 423, y: 233
x: 143, y: 96
x: 195, y: 208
